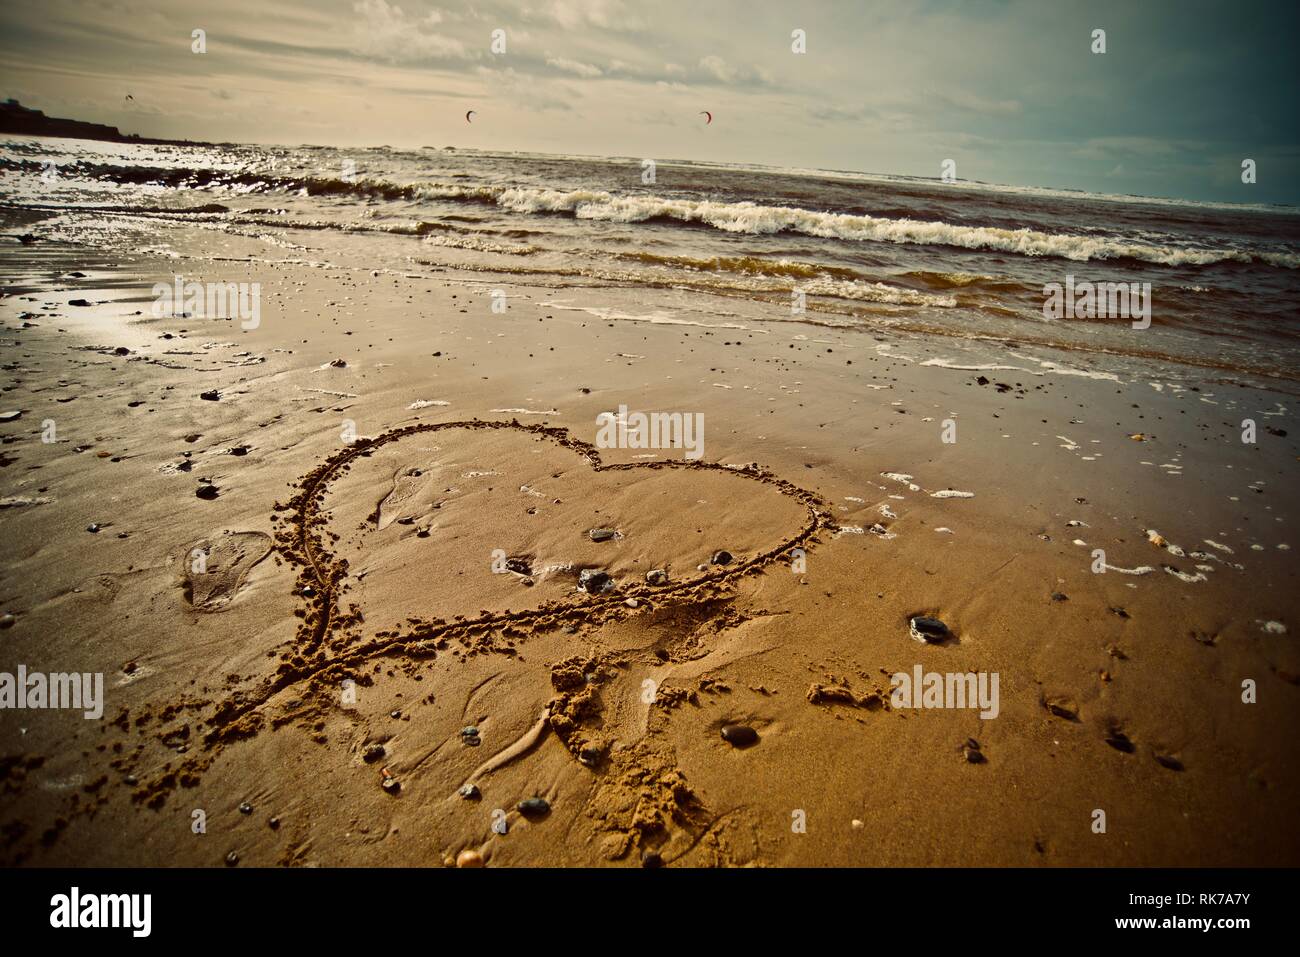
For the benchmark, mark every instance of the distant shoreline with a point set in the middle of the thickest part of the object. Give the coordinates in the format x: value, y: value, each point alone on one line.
x: 16, y: 118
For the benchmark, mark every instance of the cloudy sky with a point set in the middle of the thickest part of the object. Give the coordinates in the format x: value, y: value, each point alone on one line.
x: 1008, y: 89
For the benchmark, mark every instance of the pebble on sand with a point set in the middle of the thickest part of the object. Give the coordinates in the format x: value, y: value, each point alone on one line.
x: 206, y: 492
x: 469, y: 858
x: 469, y: 792
x: 1118, y: 740
x: 534, y: 807
x: 1062, y: 707
x: 656, y: 576
x: 594, y: 582
x: 721, y: 557
x: 603, y: 534
x: 929, y: 629
x: 739, y: 735
x: 1169, y: 761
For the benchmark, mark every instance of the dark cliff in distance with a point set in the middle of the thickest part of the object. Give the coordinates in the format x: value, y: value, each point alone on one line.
x: 18, y: 119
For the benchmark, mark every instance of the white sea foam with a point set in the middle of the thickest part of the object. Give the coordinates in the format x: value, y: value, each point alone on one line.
x: 756, y: 219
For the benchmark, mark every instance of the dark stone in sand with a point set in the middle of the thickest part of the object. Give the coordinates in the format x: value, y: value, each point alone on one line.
x: 372, y: 753
x: 971, y: 750
x: 739, y: 735
x: 7, y: 620
x: 94, y: 528
x: 245, y: 808
x: 656, y: 576
x: 721, y: 558
x: 232, y: 859
x: 469, y: 792
x: 239, y: 450
x: 212, y: 395
x: 273, y: 823
x: 520, y: 566
x: 1118, y: 740
x: 651, y: 859
x: 206, y: 492
x: 594, y: 582
x: 121, y: 351
x: 79, y: 302
x: 1062, y: 708
x: 1060, y: 596
x: 1170, y: 762
x: 929, y: 629
x: 602, y: 534
x: 392, y: 785
x: 534, y: 807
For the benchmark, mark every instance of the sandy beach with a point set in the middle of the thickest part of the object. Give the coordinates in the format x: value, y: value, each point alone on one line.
x: 392, y: 491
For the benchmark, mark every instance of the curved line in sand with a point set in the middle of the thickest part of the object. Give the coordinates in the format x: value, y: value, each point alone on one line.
x: 304, y: 544
x: 522, y: 745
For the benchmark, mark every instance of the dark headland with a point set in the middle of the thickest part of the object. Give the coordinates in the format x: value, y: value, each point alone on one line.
x: 18, y: 119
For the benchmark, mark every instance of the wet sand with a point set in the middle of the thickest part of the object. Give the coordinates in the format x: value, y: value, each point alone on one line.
x: 348, y: 626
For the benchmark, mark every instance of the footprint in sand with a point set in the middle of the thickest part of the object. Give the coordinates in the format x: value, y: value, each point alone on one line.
x: 215, y: 568
x: 407, y: 483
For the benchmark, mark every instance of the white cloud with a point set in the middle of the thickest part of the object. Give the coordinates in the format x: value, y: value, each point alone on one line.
x: 388, y: 33
x: 574, y: 67
x: 716, y: 68
x: 606, y: 14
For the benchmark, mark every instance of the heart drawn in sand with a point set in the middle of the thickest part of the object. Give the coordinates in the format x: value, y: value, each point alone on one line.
x: 405, y: 570
x: 395, y: 537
